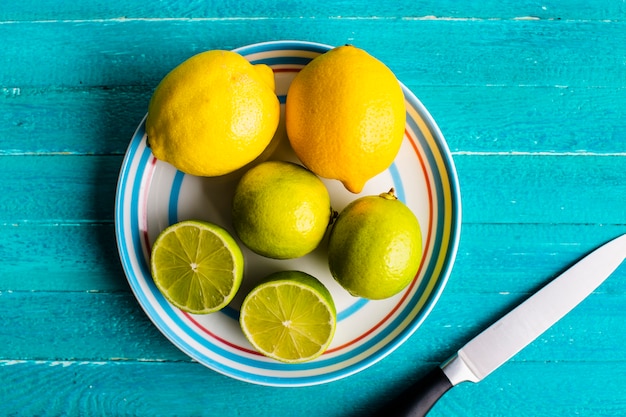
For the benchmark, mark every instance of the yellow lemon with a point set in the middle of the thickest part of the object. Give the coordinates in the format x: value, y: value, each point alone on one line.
x: 213, y: 114
x: 345, y: 116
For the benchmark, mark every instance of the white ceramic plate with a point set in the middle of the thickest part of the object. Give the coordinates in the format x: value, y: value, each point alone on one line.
x: 152, y: 194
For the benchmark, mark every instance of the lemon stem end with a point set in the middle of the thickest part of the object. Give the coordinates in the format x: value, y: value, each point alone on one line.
x: 389, y: 195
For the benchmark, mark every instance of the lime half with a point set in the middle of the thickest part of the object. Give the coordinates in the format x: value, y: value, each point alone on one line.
x: 290, y: 317
x: 197, y: 266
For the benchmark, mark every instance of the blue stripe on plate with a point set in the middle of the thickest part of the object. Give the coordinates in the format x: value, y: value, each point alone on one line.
x: 282, y: 61
x: 397, y: 182
x: 341, y: 315
x: 276, y: 46
x: 121, y: 190
x: 174, y: 196
x: 237, y: 373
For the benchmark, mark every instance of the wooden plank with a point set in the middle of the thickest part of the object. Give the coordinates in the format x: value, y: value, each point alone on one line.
x: 80, y: 326
x: 528, y: 119
x: 60, y: 258
x: 541, y: 389
x: 59, y: 321
x: 523, y: 103
x: 95, y: 120
x: 58, y: 189
x: 515, y: 260
x: 439, y: 52
x: 532, y: 389
x: 495, y: 188
x: 503, y: 258
x: 516, y: 189
x: 491, y: 9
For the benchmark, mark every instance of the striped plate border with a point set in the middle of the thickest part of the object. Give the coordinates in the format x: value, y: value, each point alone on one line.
x: 424, y: 159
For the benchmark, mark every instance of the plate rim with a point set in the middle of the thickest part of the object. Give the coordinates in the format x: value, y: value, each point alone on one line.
x: 440, y: 283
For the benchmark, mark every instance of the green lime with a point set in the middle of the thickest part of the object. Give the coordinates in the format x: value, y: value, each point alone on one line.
x: 290, y: 316
x: 281, y: 210
x: 197, y: 266
x: 375, y: 247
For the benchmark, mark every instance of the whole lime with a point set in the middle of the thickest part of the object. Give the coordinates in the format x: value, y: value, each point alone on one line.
x: 281, y: 210
x: 375, y: 247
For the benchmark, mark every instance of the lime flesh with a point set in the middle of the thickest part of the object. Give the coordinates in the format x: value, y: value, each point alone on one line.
x: 197, y: 266
x: 289, y: 317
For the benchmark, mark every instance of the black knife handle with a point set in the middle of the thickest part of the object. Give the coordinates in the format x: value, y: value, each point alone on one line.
x: 419, y: 398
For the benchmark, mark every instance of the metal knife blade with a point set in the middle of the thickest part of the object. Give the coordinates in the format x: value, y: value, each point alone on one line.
x: 510, y: 334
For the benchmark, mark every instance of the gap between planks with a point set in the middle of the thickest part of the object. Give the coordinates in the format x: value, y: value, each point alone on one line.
x: 257, y: 18
x: 539, y: 153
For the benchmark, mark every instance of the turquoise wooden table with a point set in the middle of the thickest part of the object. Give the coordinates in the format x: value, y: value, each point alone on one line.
x: 530, y: 96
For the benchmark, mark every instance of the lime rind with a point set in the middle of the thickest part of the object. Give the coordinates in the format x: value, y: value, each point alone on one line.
x: 281, y: 210
x: 197, y: 266
x: 375, y: 247
x: 289, y: 317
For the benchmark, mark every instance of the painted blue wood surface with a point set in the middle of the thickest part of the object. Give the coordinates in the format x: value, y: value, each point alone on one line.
x: 531, y: 97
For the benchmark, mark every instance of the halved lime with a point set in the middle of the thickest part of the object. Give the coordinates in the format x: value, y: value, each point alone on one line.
x: 290, y: 317
x: 197, y: 266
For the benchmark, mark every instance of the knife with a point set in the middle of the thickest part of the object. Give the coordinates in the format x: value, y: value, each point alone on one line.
x: 511, y: 333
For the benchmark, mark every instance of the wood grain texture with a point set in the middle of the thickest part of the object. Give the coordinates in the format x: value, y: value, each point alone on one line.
x: 93, y: 9
x: 526, y: 389
x: 526, y: 119
x: 542, y: 189
x: 60, y: 321
x: 495, y: 188
x: 470, y: 52
x: 85, y: 121
x: 58, y: 189
x: 54, y: 257
x: 529, y: 95
x: 83, y: 258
